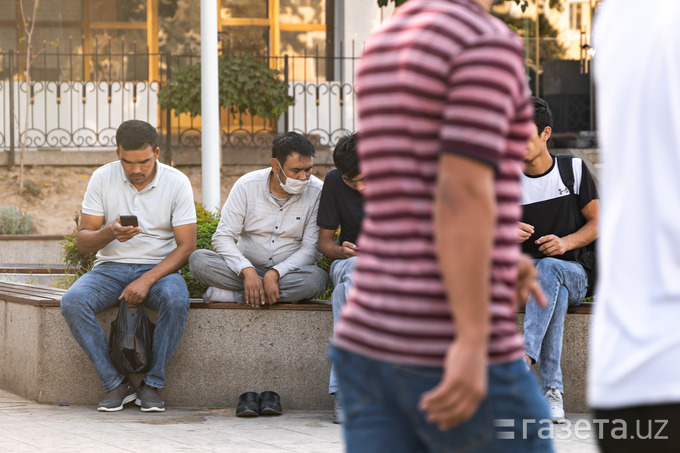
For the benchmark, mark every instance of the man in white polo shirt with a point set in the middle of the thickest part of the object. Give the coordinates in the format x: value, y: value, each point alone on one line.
x: 135, y: 263
x: 265, y: 243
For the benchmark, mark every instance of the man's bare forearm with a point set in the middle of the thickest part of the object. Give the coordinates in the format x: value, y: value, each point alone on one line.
x: 89, y: 241
x: 328, y: 247
x: 582, y: 237
x: 465, y: 221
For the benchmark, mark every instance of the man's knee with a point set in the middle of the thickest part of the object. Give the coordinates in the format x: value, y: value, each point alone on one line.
x: 547, y: 264
x: 172, y: 294
x: 319, y: 278
x: 72, y: 303
x: 199, y: 262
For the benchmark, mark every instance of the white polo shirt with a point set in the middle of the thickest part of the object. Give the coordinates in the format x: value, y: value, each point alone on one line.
x: 167, y: 202
x: 635, y: 340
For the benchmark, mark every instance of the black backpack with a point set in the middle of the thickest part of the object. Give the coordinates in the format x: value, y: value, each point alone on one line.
x: 588, y: 254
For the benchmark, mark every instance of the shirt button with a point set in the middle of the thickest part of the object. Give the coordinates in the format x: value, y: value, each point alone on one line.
x: 272, y: 240
x: 276, y: 228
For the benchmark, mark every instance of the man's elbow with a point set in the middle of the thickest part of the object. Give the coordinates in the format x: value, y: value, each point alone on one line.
x: 82, y: 247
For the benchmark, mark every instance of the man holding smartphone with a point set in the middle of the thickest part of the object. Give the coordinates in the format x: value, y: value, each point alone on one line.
x: 138, y: 215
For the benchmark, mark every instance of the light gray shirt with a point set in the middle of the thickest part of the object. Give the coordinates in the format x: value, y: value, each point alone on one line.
x: 166, y: 202
x: 255, y: 231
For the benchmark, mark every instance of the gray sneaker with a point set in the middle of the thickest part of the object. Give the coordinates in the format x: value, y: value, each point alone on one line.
x: 148, y: 399
x: 118, y: 397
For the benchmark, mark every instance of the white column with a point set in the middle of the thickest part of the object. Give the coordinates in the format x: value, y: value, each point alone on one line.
x: 210, y: 109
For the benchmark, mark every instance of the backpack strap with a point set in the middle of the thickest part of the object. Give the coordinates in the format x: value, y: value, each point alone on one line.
x: 566, y: 171
x: 588, y: 257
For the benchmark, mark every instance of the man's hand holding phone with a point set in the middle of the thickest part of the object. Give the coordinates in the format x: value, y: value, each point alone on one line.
x: 125, y: 227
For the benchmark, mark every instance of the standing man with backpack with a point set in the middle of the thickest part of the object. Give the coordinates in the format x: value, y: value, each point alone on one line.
x: 559, y: 225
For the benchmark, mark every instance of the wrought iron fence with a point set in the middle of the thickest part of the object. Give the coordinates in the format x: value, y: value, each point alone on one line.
x: 75, y: 101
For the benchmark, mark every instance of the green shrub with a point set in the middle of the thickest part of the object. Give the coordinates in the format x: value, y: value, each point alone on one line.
x: 12, y: 221
x: 76, y: 263
x: 245, y: 86
x: 206, y: 224
x: 325, y: 264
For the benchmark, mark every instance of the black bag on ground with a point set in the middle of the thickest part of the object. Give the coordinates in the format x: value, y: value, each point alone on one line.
x: 130, y: 340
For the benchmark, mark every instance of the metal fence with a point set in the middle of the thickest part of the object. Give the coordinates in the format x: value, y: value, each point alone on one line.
x: 76, y: 101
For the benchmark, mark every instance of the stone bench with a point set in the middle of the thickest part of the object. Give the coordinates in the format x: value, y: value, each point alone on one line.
x: 226, y: 349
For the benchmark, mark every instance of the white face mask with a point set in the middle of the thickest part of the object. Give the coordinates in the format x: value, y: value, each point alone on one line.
x: 292, y: 186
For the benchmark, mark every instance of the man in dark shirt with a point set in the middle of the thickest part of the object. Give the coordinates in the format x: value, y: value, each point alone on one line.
x: 556, y: 227
x: 341, y: 205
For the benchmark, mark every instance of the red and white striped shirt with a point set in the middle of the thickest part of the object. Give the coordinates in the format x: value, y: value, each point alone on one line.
x: 441, y: 76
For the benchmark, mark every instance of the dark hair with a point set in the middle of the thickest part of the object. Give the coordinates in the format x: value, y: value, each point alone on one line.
x: 291, y: 142
x: 542, y: 114
x: 345, y: 156
x: 135, y: 134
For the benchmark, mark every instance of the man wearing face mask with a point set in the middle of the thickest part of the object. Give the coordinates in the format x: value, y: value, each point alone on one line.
x: 265, y: 243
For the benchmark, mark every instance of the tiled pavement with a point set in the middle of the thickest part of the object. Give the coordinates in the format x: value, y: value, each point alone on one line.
x: 26, y: 426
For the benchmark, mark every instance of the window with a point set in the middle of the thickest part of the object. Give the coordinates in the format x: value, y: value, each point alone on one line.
x: 296, y: 28
x: 575, y: 16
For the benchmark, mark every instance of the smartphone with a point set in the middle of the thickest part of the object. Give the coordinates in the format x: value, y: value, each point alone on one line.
x: 129, y: 220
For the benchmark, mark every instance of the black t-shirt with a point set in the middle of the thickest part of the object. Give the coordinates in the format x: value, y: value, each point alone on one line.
x: 547, y: 205
x: 342, y: 206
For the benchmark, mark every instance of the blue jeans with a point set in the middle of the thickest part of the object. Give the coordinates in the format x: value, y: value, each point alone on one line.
x: 341, y: 277
x: 99, y: 290
x: 380, y: 404
x: 564, y: 283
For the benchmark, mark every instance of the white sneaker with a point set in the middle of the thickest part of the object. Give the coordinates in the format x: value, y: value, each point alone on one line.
x: 214, y: 294
x: 554, y: 399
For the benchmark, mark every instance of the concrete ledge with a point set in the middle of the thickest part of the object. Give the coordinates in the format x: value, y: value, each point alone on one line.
x: 19, y: 249
x: 574, y: 356
x: 227, y: 349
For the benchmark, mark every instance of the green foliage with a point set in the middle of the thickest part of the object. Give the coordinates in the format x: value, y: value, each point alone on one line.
x: 206, y: 224
x: 12, y: 221
x: 245, y: 86
x: 76, y: 263
x: 325, y: 264
x: 550, y: 49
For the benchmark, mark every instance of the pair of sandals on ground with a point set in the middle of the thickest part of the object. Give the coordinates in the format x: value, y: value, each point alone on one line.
x: 252, y: 404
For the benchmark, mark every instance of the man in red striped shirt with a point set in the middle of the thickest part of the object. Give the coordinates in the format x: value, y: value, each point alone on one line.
x: 428, y: 354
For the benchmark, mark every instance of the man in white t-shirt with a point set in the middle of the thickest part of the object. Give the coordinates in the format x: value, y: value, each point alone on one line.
x: 634, y: 379
x: 134, y: 263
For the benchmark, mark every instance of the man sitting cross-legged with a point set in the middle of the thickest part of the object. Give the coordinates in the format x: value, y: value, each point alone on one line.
x: 558, y: 222
x: 265, y: 243
x: 341, y: 205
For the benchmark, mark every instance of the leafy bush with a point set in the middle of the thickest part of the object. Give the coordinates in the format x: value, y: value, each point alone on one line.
x: 245, y: 86
x: 76, y: 263
x: 325, y: 264
x: 206, y: 224
x: 12, y: 221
